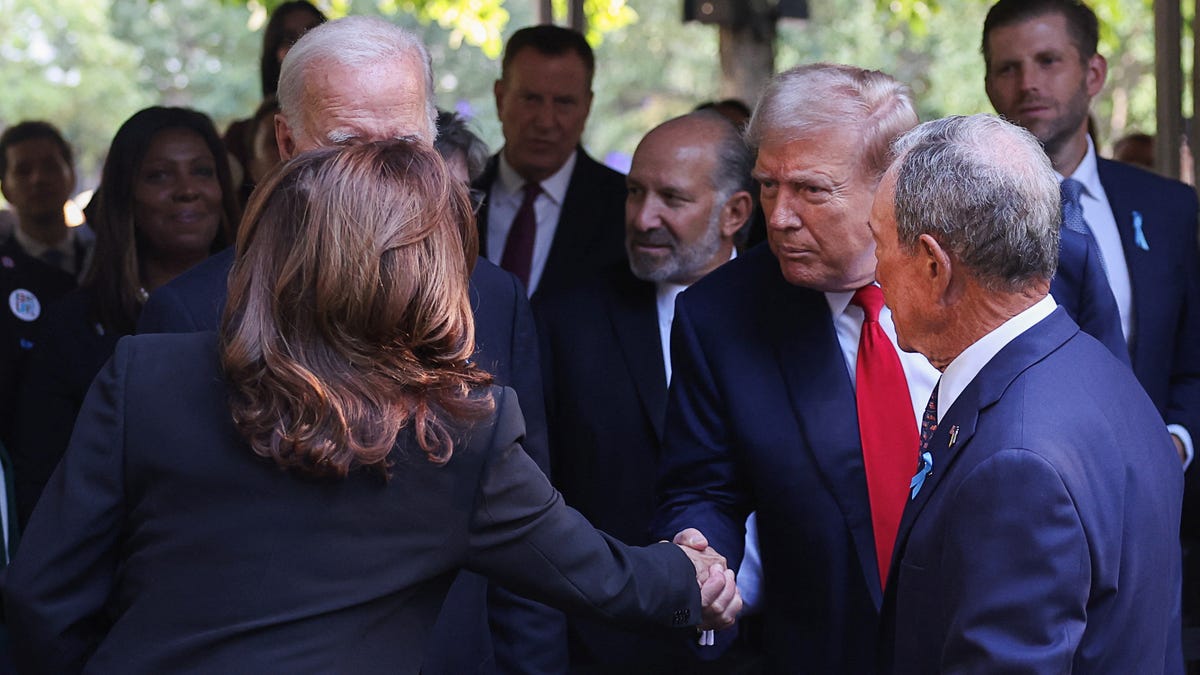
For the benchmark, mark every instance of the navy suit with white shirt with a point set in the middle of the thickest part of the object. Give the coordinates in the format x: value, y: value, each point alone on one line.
x: 1043, y: 538
x: 762, y: 415
x: 1145, y: 227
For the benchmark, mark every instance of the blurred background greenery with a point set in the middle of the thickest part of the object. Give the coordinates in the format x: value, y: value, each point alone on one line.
x: 87, y: 65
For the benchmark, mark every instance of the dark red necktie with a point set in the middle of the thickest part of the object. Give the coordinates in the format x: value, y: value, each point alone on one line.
x: 518, y: 248
x: 885, y: 424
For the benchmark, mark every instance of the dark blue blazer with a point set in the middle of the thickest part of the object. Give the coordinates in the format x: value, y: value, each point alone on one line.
x: 1082, y: 289
x: 523, y: 637
x: 590, y: 236
x: 1044, y: 540
x: 163, y: 544
x: 761, y: 415
x: 1166, y: 286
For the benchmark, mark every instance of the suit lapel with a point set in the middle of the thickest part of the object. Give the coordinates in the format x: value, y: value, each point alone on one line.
x: 961, y: 419
x: 484, y: 183
x: 1142, y: 266
x: 822, y: 400
x: 571, y: 241
x: 633, y: 311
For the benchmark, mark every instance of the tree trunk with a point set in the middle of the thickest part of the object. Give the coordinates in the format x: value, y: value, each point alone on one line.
x: 748, y: 54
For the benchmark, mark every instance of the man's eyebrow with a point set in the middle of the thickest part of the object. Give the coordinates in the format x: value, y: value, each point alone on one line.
x: 340, y: 136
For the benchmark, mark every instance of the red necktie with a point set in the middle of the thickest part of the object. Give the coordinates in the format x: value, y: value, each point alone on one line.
x: 518, y: 248
x: 885, y: 425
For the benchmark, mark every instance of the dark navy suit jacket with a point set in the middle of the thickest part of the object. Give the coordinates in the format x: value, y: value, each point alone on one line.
x: 523, y: 637
x: 1082, y: 289
x: 164, y: 545
x: 590, y: 236
x: 761, y: 415
x: 1044, y: 540
x: 1165, y: 275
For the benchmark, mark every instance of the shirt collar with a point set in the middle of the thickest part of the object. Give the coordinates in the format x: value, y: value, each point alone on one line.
x: 34, y: 248
x: 555, y: 187
x: 963, y: 369
x: 1088, y: 173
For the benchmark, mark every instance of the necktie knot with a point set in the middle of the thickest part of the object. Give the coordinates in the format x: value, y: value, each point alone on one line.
x: 870, y: 298
x: 1071, y: 190
x: 531, y: 190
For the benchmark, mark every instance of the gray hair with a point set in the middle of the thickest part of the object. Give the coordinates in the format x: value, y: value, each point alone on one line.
x: 985, y: 190
x: 734, y: 163
x: 805, y: 101
x: 352, y: 41
x: 455, y: 136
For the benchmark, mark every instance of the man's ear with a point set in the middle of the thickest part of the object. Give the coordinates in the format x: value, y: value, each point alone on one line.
x: 284, y: 141
x: 1096, y: 73
x: 735, y: 212
x: 938, y: 268
x: 498, y: 93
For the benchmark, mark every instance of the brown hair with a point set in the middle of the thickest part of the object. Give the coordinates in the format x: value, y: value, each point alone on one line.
x: 348, y: 318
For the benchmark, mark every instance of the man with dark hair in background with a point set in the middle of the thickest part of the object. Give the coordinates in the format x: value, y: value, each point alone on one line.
x: 552, y: 215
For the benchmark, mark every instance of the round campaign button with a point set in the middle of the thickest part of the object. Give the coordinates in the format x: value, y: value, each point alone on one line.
x: 24, y: 305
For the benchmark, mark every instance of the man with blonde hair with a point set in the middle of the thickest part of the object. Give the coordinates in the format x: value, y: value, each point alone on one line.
x: 789, y: 396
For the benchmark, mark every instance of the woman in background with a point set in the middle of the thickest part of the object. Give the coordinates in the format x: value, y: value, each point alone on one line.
x: 296, y: 494
x: 288, y: 23
x: 164, y: 203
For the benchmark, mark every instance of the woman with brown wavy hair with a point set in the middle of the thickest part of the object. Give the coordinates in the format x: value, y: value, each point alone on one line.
x: 296, y: 494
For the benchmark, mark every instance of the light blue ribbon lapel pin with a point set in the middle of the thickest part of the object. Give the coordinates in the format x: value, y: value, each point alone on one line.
x: 1139, y: 235
x: 924, y: 469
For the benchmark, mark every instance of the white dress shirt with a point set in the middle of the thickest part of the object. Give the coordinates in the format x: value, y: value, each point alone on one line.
x: 505, y: 199
x: 848, y: 320
x: 963, y: 369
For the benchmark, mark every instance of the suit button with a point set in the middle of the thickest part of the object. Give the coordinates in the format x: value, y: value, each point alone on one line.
x: 680, y: 617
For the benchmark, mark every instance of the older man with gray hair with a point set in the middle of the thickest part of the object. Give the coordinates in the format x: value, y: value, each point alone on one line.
x: 789, y: 396
x: 356, y: 80
x: 1040, y: 534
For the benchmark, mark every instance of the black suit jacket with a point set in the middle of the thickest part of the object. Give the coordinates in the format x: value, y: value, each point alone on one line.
x: 70, y: 350
x: 516, y: 636
x: 22, y: 276
x: 174, y: 547
x: 590, y: 236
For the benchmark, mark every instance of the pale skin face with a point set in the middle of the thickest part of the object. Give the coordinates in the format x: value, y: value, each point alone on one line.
x: 817, y: 199
x: 177, y: 203
x: 543, y: 103
x: 345, y: 106
x: 674, y: 228
x: 909, y: 279
x: 38, y: 183
x: 1036, y: 78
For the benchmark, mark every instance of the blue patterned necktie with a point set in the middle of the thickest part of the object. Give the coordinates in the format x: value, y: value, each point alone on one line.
x: 929, y: 425
x: 1072, y: 213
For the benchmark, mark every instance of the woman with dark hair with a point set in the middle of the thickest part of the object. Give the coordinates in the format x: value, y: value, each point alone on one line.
x: 288, y: 23
x: 297, y: 493
x: 164, y: 203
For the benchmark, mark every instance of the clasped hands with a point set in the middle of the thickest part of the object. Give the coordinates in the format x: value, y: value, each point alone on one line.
x: 720, y: 601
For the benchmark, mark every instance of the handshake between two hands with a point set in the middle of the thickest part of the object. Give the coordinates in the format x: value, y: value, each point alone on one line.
x: 720, y: 601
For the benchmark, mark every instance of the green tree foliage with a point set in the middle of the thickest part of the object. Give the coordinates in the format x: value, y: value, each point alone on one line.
x: 88, y: 64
